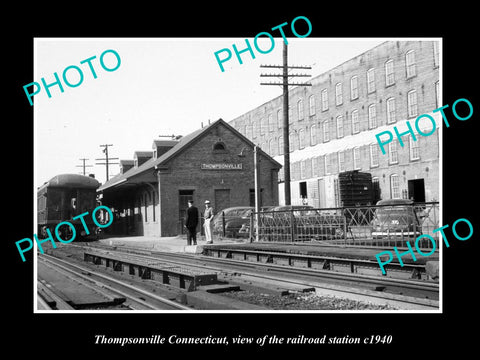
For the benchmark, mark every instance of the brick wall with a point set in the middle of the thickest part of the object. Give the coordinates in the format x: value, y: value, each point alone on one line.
x: 185, y: 173
x: 308, y: 160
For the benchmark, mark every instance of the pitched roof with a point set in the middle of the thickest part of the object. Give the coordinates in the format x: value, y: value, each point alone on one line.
x: 182, y: 144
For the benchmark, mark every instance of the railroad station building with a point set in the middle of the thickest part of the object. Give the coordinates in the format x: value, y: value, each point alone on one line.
x: 333, y: 123
x: 149, y: 196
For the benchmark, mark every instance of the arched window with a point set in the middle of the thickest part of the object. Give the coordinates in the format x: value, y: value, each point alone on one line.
x: 219, y: 146
x: 313, y: 135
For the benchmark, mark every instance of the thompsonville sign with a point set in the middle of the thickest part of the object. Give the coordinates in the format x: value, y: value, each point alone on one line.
x: 221, y: 166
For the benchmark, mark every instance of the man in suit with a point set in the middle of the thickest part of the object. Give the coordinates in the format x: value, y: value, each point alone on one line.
x: 191, y: 223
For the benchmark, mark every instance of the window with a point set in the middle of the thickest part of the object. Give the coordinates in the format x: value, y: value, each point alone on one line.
x: 279, y: 119
x: 293, y: 141
x: 300, y: 109
x: 302, y: 169
x: 271, y: 148
x: 373, y: 155
x: 436, y: 53
x: 314, y: 167
x: 255, y: 129
x: 389, y: 74
x: 311, y: 105
x: 339, y: 126
x: 313, y: 135
x: 301, y: 139
x: 412, y: 104
x: 355, y: 122
x: 308, y: 168
x: 324, y: 95
x: 370, y: 80
x: 437, y: 94
x: 372, y: 117
x: 392, y: 153
x: 410, y: 63
x: 219, y: 146
x: 354, y: 88
x: 326, y: 131
x: 391, y: 118
x: 249, y: 131
x: 341, y: 161
x: 394, y: 186
x: 338, y: 94
x: 261, y: 126
x: 328, y: 168
x: 321, y: 165
x: 271, y: 124
x: 414, y: 148
x: 356, y: 158
x: 280, y: 145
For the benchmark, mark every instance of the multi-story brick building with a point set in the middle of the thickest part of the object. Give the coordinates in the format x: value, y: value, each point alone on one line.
x: 149, y: 196
x: 333, y: 124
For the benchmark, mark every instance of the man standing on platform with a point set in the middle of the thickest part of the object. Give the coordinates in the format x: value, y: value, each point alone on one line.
x: 191, y: 223
x: 208, y: 216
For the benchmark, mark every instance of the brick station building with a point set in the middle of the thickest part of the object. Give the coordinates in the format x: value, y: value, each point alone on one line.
x: 149, y: 196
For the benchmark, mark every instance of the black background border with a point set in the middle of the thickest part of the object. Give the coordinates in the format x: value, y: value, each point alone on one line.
x: 73, y: 334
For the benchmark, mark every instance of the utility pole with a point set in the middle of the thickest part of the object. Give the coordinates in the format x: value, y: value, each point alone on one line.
x: 256, y: 162
x: 84, y: 166
x: 107, y: 159
x: 286, y: 131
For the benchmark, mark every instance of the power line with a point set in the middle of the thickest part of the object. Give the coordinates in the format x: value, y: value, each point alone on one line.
x: 285, y: 83
x: 107, y: 162
x: 84, y: 166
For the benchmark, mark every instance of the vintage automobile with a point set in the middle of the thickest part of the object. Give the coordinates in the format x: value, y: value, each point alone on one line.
x: 229, y: 221
x: 395, y: 218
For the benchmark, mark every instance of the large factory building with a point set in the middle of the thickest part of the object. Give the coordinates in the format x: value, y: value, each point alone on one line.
x: 149, y: 196
x: 333, y: 124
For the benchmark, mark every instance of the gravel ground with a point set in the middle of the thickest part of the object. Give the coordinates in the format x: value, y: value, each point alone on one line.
x: 305, y: 301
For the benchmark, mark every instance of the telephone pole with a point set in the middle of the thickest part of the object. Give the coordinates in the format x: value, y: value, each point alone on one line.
x: 285, y: 84
x: 107, y: 159
x: 84, y: 166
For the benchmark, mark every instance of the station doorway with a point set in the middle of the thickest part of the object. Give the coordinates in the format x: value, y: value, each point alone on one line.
x: 183, y: 197
x: 222, y: 199
x: 416, y: 190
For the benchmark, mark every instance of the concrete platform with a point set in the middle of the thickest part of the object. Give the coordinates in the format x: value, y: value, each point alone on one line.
x: 171, y: 244
x: 179, y: 244
x: 317, y: 249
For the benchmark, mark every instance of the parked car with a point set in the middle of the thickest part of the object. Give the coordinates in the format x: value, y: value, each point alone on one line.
x: 395, y: 218
x: 234, y: 218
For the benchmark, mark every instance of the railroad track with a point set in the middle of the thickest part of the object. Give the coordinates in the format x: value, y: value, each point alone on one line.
x: 410, y: 294
x: 134, y: 297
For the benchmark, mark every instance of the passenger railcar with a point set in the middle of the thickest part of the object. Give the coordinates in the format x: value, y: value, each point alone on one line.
x: 61, y: 199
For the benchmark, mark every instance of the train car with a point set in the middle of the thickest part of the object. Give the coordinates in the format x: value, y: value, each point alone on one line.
x: 62, y: 198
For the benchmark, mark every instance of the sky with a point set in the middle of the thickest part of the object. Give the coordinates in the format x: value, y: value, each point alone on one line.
x: 163, y: 86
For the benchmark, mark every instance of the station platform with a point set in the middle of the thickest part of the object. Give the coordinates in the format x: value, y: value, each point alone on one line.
x: 322, y: 250
x: 179, y: 244
x: 155, y: 243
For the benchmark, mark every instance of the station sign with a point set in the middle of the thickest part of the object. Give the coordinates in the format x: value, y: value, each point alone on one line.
x: 222, y: 166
